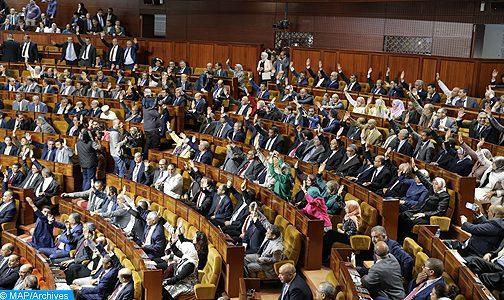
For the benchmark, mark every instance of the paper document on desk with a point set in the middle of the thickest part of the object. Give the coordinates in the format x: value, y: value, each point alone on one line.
x: 458, y: 256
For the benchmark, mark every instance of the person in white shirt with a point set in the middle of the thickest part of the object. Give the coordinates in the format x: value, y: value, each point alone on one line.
x: 107, y: 114
x: 173, y: 182
x: 451, y: 96
x: 35, y: 72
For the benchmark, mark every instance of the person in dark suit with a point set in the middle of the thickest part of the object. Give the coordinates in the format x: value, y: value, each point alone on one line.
x: 222, y: 207
x: 236, y: 134
x: 184, y: 83
x: 202, y: 152
x: 432, y: 96
x: 202, y: 199
x: 486, y: 234
x: 42, y: 236
x: 261, y: 91
x: 114, y: 54
x: 432, y: 274
x: 6, y: 26
x: 462, y: 165
x: 137, y: 170
x: 47, y: 188
x: 246, y: 165
x: 352, y: 85
x: 67, y: 240
x: 376, y: 87
x: 380, y: 176
x: 12, y: 176
x: 7, y: 147
x: 270, y: 140
x: 105, y: 285
x: 154, y: 240
x: 333, y: 156
x: 129, y: 58
x: 294, y: 287
x: 33, y: 176
x: 29, y: 51
x: 350, y: 162
x: 124, y: 289
x: 7, y: 208
x: 436, y: 203
x: 241, y: 209
x: 69, y: 51
x: 12, y: 85
x: 384, y: 280
x: 478, y: 128
x: 465, y: 101
x: 10, y: 274
x: 399, y: 185
x: 87, y: 54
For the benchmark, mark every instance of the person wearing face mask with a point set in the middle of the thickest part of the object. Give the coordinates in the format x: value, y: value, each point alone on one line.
x: 436, y: 204
x: 490, y: 189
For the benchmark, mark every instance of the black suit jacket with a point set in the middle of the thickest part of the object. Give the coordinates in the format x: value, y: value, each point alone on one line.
x: 206, y: 203
x: 32, y: 52
x: 298, y: 290
x: 119, y: 54
x: 11, y: 51
x: 64, y: 46
x: 462, y: 167
x: 380, y: 180
x: 92, y: 53
x: 486, y: 235
x: 348, y: 168
x: 8, y: 278
x: 332, y: 160
x: 406, y: 149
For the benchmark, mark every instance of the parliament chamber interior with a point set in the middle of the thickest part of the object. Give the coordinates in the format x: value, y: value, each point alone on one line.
x: 223, y: 149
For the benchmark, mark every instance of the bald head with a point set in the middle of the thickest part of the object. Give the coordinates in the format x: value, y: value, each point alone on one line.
x: 125, y: 275
x: 381, y: 249
x: 286, y: 273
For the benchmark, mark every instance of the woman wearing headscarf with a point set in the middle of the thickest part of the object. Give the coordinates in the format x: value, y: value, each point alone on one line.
x: 280, y: 173
x: 185, y: 274
x: 264, y: 67
x: 482, y: 158
x: 351, y: 222
x: 490, y: 189
x: 436, y: 203
x: 316, y: 206
x: 332, y: 192
x: 396, y: 112
x: 240, y: 75
x: 379, y: 110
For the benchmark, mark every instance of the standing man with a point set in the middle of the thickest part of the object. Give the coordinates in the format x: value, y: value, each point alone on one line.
x: 29, y: 50
x: 87, y: 55
x: 86, y: 149
x: 10, y: 49
x: 294, y: 287
x: 69, y: 51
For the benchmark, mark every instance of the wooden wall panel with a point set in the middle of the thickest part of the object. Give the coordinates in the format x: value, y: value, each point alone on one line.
x: 329, y: 61
x: 410, y: 65
x: 457, y: 73
x: 354, y: 63
x: 299, y: 58
x: 180, y: 51
x: 429, y: 67
x: 247, y: 56
x: 163, y: 50
x: 200, y: 54
x: 221, y: 53
x: 379, y: 65
x: 485, y: 73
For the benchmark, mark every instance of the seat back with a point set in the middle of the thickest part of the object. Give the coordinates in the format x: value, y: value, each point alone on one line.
x: 282, y: 223
x: 292, y: 243
x: 269, y: 213
x: 420, y: 259
x: 212, y: 269
x: 137, y: 281
x: 411, y: 247
x: 219, y: 156
x: 451, y: 204
x: 369, y: 218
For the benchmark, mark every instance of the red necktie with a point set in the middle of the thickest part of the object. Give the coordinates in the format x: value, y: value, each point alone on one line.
x: 414, y: 292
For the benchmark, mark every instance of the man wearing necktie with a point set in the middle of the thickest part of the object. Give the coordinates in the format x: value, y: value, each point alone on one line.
x: 88, y: 52
x: 129, y: 59
x: 427, y: 279
x: 270, y: 251
x: 115, y: 53
x: 10, y: 275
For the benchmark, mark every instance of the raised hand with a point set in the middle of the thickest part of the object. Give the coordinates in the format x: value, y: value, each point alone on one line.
x: 480, y: 143
x: 460, y: 138
x: 387, y: 73
x: 402, y: 75
x: 338, y: 66
x: 495, y: 73
x: 460, y: 113
x: 308, y: 63
x: 320, y: 64
x: 370, y: 70
x: 437, y: 76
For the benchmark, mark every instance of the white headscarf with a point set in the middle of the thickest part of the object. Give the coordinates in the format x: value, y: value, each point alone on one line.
x: 189, y: 253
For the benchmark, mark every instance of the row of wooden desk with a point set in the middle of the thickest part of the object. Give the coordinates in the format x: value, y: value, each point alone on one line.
x: 232, y: 255
x: 151, y: 278
x: 33, y: 257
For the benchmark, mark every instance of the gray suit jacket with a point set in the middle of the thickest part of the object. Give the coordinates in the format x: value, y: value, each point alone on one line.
x: 385, y: 279
x: 70, y: 91
x: 120, y: 217
x: 95, y: 199
x: 22, y: 105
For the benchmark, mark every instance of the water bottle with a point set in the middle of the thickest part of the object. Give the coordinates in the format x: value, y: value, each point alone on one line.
x: 438, y: 233
x: 352, y: 260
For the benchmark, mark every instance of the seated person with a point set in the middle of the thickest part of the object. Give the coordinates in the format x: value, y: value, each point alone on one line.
x: 416, y: 193
x: 351, y: 222
x: 384, y: 279
x: 10, y: 273
x: 7, y: 208
x: 185, y: 274
x: 271, y: 251
x: 67, y: 240
x: 431, y: 275
x: 102, y: 286
x: 332, y: 193
x: 436, y: 204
